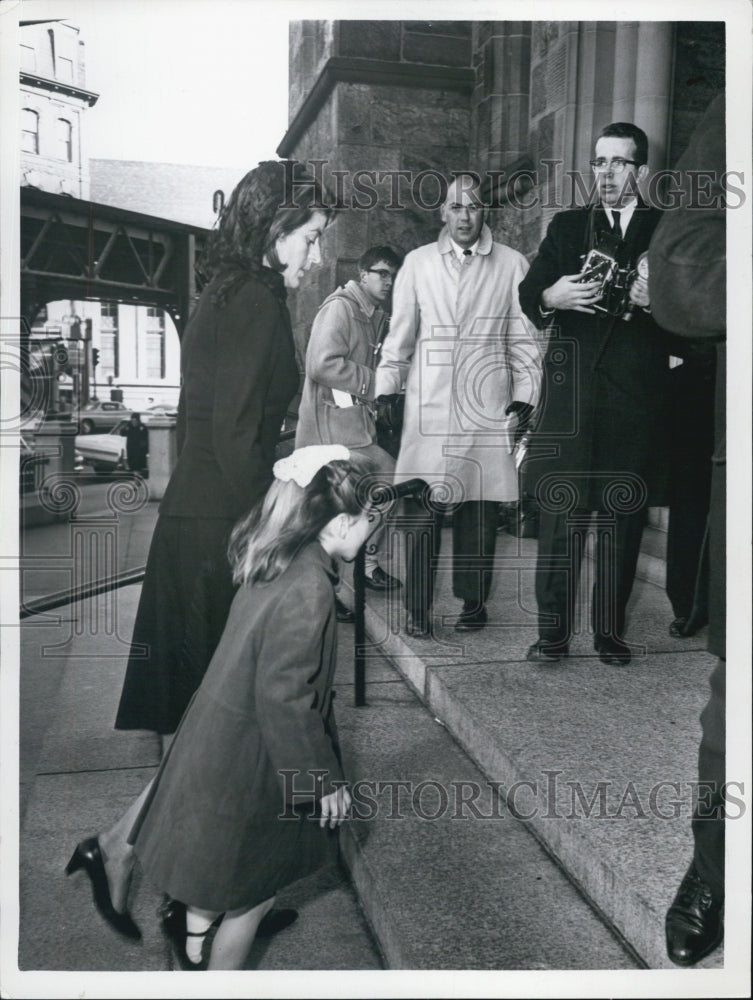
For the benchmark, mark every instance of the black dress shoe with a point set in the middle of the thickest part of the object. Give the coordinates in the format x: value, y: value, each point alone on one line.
x: 379, y: 580
x: 547, y: 652
x: 89, y: 857
x: 683, y: 628
x: 471, y: 619
x: 693, y: 925
x: 343, y: 612
x: 677, y: 628
x: 613, y: 652
x: 418, y: 626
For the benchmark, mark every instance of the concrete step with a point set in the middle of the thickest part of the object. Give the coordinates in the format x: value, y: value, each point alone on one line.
x: 580, y: 750
x: 652, y: 560
x: 446, y: 884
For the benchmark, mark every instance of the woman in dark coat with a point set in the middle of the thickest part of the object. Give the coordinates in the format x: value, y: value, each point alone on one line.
x: 238, y: 377
x: 242, y: 800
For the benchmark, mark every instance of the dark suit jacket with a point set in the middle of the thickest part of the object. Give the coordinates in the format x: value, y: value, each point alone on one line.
x: 605, y: 380
x: 239, y: 375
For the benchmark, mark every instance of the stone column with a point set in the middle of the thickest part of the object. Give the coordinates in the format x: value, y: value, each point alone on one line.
x: 625, y: 58
x: 653, y: 87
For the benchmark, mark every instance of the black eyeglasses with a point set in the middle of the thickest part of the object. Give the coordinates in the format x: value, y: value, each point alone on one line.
x: 617, y: 164
x: 383, y: 274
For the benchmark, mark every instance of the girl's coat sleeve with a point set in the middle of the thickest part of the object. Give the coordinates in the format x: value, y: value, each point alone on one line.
x: 293, y: 683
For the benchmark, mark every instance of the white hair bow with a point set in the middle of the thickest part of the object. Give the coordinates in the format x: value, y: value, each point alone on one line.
x: 304, y: 463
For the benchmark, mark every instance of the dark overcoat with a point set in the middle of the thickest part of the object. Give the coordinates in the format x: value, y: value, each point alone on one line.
x: 211, y: 834
x: 239, y: 375
x: 688, y: 284
x: 602, y: 417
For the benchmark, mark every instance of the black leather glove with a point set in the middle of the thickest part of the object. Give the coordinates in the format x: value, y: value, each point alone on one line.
x: 389, y: 411
x: 524, y: 412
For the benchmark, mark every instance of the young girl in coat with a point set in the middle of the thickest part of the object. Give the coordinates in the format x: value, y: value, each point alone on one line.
x: 234, y: 813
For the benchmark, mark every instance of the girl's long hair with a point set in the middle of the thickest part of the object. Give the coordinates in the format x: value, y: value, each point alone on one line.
x: 272, y: 200
x: 265, y: 542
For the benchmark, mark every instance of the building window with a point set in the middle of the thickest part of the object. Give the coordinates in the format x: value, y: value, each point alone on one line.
x: 109, y: 340
x: 64, y: 69
x: 29, y: 131
x: 64, y: 139
x: 28, y: 59
x: 155, y: 342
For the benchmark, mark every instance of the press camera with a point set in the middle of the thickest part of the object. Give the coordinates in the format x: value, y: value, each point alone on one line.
x: 600, y: 264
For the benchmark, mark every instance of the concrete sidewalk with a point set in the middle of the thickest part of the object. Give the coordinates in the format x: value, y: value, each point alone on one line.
x: 439, y: 887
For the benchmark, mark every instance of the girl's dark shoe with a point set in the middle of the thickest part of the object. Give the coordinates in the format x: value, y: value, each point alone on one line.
x: 89, y: 857
x: 173, y: 916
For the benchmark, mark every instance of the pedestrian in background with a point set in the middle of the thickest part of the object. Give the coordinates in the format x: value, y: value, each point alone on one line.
x: 338, y: 401
x: 137, y: 444
x: 238, y: 377
x: 470, y: 364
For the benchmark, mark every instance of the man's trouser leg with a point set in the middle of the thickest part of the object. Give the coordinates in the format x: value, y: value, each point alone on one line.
x: 618, y: 543
x: 708, y: 821
x: 423, y: 536
x: 474, y: 538
x: 560, y: 553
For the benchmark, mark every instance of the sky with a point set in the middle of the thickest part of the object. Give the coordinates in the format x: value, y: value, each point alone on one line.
x: 181, y: 81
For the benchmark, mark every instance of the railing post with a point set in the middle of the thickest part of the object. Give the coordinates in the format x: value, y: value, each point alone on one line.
x: 360, y: 627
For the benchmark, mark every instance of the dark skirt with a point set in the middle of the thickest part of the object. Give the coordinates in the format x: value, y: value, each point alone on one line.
x: 185, y: 601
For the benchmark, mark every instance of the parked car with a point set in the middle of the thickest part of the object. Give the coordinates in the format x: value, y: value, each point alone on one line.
x: 101, y: 416
x: 106, y: 452
x: 162, y: 410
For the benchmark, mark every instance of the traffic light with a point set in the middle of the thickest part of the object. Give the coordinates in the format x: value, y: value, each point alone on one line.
x: 95, y: 356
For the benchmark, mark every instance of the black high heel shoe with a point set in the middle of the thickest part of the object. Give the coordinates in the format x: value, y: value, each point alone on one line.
x: 89, y: 857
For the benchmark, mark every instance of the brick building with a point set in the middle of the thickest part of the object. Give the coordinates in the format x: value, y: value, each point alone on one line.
x: 520, y: 97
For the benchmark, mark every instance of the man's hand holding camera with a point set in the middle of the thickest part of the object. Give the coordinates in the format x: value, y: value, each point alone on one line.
x: 639, y: 292
x: 571, y: 292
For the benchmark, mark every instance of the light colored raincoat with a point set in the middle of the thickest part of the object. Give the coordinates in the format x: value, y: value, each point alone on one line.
x: 462, y: 347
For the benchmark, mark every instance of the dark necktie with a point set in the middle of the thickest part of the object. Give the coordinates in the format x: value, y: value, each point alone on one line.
x: 616, y: 224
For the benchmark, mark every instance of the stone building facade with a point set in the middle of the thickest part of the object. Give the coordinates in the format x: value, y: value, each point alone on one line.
x: 517, y: 101
x: 53, y: 104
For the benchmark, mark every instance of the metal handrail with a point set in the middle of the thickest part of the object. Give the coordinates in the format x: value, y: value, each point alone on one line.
x: 81, y: 593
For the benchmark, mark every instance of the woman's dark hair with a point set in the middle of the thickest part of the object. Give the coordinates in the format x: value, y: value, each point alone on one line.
x: 272, y: 200
x: 264, y: 543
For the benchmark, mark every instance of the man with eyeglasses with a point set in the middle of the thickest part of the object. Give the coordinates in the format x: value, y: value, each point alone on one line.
x: 471, y: 367
x: 337, y: 404
x: 599, y: 443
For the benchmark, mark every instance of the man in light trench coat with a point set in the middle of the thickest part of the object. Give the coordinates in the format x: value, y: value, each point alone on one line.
x: 470, y: 363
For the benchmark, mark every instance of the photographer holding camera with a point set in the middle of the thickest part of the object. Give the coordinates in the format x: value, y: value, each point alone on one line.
x: 598, y: 443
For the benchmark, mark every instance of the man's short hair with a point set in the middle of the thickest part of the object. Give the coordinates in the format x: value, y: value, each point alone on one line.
x: 376, y: 254
x: 626, y: 130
